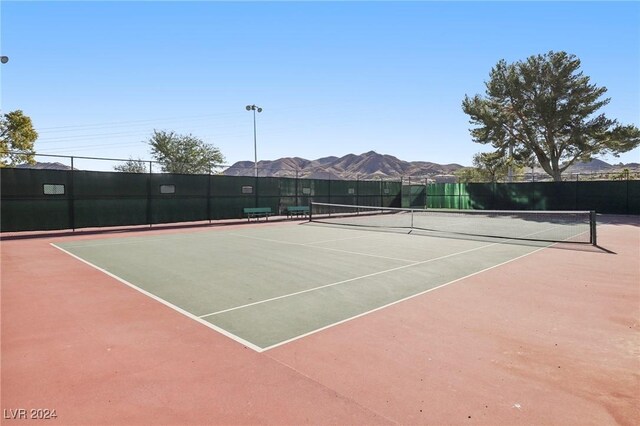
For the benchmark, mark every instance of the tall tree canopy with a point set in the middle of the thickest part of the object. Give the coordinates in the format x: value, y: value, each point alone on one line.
x: 546, y: 107
x: 17, y: 135
x: 184, y: 153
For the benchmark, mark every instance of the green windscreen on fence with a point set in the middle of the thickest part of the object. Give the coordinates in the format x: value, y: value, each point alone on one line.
x: 110, y: 199
x: 368, y: 193
x: 610, y: 196
x: 34, y: 200
x: 633, y: 197
x: 391, y: 194
x: 178, y: 198
x: 313, y: 190
x: 414, y: 195
x: 343, y: 191
x: 230, y: 194
x: 288, y: 188
x: 617, y: 197
x: 451, y: 196
x: 269, y: 194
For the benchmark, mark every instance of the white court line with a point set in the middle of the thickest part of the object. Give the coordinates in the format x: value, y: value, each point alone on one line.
x: 284, y: 342
x: 141, y: 239
x: 326, y: 248
x: 133, y: 240
x: 259, y: 349
x: 346, y: 281
x: 364, y: 276
x: 164, y: 302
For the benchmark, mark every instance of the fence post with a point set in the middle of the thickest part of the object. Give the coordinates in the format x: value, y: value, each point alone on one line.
x: 72, y: 207
x: 592, y: 225
x: 426, y: 193
x: 296, y: 188
x: 209, y: 195
x: 149, y: 177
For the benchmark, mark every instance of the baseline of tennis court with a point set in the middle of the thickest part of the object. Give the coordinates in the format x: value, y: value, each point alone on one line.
x: 265, y: 286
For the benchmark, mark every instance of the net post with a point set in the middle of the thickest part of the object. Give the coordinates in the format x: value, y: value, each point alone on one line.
x: 592, y: 225
x: 310, y: 210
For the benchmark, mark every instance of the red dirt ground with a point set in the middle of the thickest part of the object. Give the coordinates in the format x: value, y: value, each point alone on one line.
x: 552, y: 338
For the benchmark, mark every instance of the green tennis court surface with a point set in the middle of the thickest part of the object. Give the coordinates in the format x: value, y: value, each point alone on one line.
x: 267, y: 285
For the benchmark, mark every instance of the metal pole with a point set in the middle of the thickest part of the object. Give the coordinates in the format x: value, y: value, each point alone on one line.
x: 255, y: 146
x: 297, y: 203
x: 426, y: 193
x: 209, y: 194
x: 592, y: 226
x: 72, y: 213
x: 255, y: 138
x: 149, y: 177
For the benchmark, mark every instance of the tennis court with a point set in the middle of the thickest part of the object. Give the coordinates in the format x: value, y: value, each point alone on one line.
x: 267, y: 286
x: 365, y: 316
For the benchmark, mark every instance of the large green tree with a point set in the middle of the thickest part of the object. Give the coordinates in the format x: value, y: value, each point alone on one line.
x: 184, y: 153
x: 546, y: 107
x: 17, y: 138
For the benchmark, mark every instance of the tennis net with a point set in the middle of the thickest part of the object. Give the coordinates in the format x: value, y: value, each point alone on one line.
x: 552, y: 226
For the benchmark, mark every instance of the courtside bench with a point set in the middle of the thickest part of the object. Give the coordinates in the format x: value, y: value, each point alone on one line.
x: 298, y: 211
x: 257, y: 212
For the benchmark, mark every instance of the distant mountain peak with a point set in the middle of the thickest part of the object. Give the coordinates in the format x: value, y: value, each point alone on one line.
x: 44, y: 166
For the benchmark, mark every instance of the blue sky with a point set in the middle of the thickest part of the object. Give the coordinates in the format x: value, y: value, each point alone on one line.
x: 333, y: 77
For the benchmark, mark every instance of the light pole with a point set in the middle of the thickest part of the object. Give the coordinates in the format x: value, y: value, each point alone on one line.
x: 255, y: 145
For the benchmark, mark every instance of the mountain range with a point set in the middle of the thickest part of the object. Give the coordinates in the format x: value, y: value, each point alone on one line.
x: 372, y: 165
x: 369, y: 165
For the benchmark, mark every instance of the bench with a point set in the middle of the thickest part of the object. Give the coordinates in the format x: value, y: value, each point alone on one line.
x: 297, y: 210
x: 257, y: 212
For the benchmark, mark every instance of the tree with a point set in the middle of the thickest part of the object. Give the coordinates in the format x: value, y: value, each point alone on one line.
x: 468, y: 175
x: 132, y: 166
x: 491, y: 166
x: 16, y: 135
x: 184, y: 153
x: 546, y: 107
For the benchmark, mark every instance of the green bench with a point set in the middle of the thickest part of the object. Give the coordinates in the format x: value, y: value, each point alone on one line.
x: 257, y: 212
x: 297, y: 210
